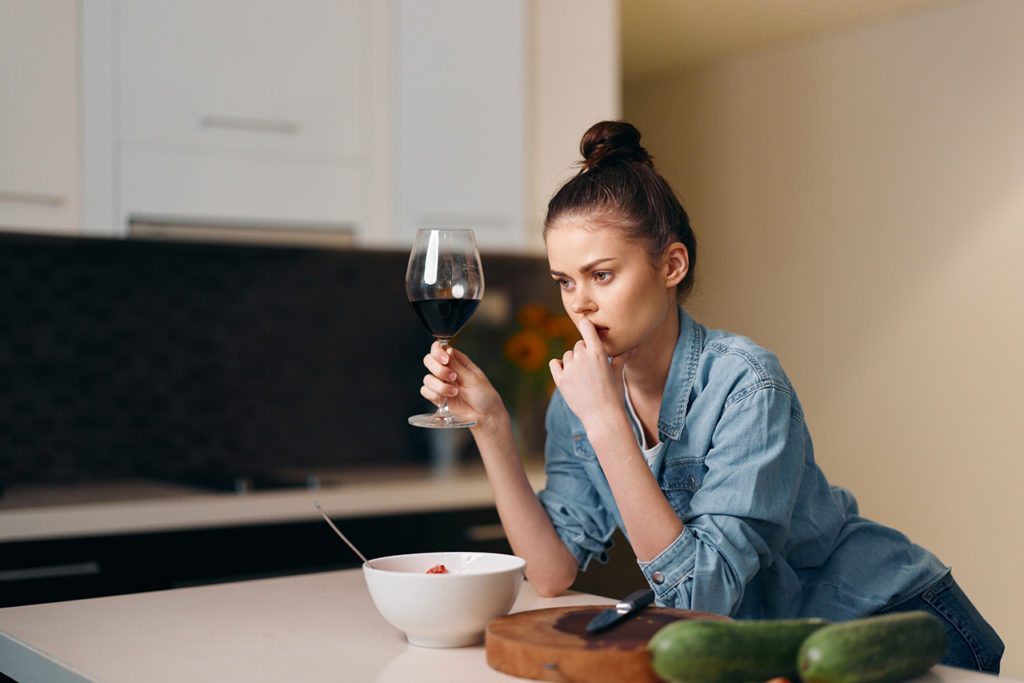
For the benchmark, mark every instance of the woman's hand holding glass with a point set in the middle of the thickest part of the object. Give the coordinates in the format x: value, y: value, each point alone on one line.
x: 453, y: 376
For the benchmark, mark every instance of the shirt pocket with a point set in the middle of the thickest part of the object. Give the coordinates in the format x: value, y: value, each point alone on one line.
x: 680, y: 479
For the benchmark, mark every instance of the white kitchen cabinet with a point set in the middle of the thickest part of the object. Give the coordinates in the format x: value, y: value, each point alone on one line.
x: 245, y: 110
x: 380, y: 115
x: 243, y: 78
x: 345, y: 114
x: 39, y: 160
x: 460, y: 118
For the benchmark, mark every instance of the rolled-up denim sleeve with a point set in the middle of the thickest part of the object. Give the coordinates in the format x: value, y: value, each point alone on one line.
x: 738, y: 520
x: 571, y: 501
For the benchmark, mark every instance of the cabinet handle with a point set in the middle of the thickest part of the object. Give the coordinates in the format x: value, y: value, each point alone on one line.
x: 51, y: 571
x: 282, y: 126
x: 32, y: 198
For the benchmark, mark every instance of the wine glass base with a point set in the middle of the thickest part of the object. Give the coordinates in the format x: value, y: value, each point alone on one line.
x: 435, y: 421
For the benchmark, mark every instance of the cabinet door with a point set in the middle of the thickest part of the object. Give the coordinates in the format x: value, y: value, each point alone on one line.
x: 461, y: 109
x: 247, y: 77
x: 39, y: 164
x: 245, y: 111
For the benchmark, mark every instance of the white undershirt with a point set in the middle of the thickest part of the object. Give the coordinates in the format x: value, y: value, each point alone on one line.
x: 650, y: 453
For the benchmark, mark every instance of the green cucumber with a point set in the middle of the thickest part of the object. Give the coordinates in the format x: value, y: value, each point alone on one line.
x: 698, y: 651
x: 881, y: 649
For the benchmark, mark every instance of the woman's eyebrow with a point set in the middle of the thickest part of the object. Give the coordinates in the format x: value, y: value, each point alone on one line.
x: 587, y: 268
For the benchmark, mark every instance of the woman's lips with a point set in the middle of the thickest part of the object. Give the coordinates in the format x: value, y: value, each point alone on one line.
x: 601, y: 331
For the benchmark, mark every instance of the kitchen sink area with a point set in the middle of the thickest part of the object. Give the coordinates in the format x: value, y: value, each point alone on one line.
x: 128, y: 489
x: 47, y: 494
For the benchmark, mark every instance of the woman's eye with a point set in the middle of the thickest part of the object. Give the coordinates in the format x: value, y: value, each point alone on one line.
x: 564, y: 283
x: 602, y: 276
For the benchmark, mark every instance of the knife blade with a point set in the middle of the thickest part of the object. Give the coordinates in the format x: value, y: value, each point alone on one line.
x: 631, y: 604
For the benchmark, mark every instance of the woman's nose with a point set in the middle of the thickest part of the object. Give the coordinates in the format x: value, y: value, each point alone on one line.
x: 582, y: 302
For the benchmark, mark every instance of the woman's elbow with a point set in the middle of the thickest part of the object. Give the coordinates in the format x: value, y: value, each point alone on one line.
x: 549, y: 584
x: 549, y: 589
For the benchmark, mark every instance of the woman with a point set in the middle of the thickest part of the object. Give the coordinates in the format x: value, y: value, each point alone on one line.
x: 690, y: 440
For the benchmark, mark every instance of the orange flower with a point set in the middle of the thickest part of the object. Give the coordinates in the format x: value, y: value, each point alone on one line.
x: 561, y: 326
x: 527, y: 350
x: 533, y: 316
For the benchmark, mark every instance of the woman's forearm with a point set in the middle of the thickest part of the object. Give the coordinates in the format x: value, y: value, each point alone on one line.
x: 550, y: 567
x: 649, y: 520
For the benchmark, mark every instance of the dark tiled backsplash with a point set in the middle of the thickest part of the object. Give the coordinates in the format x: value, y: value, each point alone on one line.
x: 198, y: 361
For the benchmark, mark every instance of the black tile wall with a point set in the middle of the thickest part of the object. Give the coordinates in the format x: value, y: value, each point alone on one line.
x: 197, y: 362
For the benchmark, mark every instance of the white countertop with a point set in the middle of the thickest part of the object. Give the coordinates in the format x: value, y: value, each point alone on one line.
x: 190, y: 510
x: 315, y: 627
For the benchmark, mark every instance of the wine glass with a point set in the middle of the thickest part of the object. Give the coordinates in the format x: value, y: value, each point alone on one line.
x: 444, y: 283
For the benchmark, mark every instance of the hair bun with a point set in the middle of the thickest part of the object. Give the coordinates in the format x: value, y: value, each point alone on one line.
x: 610, y: 141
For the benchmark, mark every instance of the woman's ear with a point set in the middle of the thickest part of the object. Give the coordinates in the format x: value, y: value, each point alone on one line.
x: 677, y: 263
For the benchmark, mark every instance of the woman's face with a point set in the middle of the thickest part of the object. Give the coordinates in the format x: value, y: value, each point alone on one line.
x: 611, y: 281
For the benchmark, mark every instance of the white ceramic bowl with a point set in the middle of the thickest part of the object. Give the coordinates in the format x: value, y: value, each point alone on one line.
x: 444, y: 610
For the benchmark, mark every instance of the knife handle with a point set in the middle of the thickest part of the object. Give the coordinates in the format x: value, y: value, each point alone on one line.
x: 638, y: 598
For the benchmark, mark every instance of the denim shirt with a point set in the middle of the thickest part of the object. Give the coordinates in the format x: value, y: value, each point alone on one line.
x: 765, y: 535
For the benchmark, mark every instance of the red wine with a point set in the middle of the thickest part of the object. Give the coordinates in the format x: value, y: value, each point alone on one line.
x: 444, y: 317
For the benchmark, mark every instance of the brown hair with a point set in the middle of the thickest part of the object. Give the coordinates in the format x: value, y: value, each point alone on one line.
x: 617, y: 184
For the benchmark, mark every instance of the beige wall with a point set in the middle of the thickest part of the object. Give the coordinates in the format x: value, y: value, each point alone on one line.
x: 574, y: 76
x: 859, y: 205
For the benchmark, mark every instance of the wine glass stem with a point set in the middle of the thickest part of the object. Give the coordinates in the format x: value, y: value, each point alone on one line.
x: 442, y: 410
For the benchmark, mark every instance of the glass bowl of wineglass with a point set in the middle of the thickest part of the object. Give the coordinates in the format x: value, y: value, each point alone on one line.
x: 444, y: 282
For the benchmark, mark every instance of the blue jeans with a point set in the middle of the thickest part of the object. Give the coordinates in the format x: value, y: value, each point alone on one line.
x: 973, y: 644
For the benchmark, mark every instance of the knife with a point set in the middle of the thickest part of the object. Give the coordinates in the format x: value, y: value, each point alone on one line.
x: 631, y: 604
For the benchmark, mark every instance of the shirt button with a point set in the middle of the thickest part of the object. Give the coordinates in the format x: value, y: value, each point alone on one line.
x: 658, y: 578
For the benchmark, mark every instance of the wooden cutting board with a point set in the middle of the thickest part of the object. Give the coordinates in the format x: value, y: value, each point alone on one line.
x: 553, y: 644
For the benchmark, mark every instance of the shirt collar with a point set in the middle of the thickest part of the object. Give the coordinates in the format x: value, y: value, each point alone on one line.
x: 675, y: 400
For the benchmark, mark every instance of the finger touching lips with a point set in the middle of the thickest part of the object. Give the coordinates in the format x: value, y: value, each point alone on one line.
x: 588, y: 332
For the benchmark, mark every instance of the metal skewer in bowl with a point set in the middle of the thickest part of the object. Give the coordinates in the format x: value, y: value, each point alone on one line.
x: 340, y: 535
